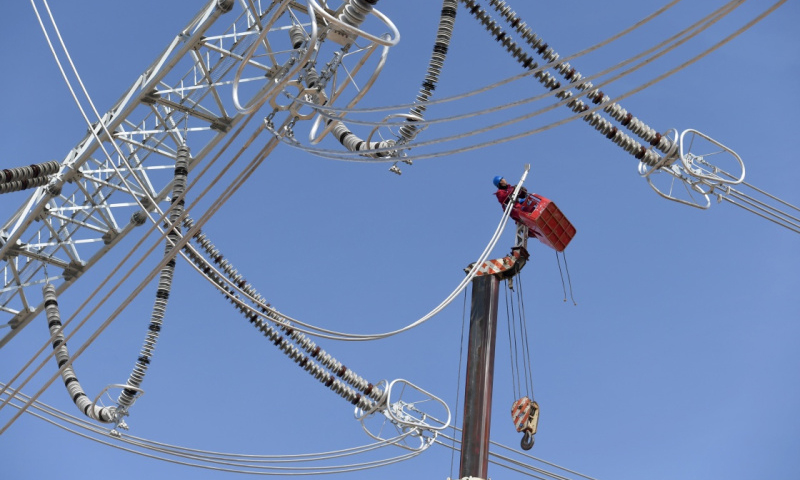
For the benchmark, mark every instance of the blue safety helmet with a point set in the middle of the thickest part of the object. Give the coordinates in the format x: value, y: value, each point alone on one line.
x: 496, y: 180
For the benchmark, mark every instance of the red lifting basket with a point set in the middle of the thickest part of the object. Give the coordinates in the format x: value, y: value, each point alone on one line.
x: 546, y: 222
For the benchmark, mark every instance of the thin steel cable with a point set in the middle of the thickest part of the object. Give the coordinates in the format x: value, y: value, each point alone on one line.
x: 496, y: 458
x: 259, y: 466
x: 526, y: 367
x: 569, y: 279
x: 773, y: 211
x: 521, y: 354
x: 758, y: 212
x: 531, y: 457
x: 212, y: 457
x: 519, y: 346
x: 522, y: 468
x: 514, y: 393
x: 516, y: 370
x: 154, y: 445
x: 458, y: 377
x: 252, y: 458
x: 524, y: 323
x: 793, y: 207
x: 561, y: 274
x: 789, y: 220
x: 457, y: 430
x: 252, y: 469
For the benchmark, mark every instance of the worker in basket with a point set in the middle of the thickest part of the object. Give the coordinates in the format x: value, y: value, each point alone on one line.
x: 525, y: 202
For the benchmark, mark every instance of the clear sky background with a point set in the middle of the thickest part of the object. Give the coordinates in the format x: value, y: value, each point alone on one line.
x: 680, y: 359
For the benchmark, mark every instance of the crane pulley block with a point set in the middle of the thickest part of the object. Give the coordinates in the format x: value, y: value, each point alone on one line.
x: 525, y: 414
x: 546, y: 222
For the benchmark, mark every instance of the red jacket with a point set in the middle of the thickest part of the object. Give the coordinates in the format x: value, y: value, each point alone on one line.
x: 503, y: 195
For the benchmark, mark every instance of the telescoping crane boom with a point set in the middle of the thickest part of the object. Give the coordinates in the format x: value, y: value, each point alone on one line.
x: 535, y: 216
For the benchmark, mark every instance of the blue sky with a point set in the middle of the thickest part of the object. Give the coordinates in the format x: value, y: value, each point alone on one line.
x: 678, y: 361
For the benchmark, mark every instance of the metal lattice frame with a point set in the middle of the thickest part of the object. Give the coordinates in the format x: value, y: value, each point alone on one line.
x: 97, y: 196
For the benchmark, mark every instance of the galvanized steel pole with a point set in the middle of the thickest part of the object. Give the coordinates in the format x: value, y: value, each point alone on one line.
x: 480, y: 378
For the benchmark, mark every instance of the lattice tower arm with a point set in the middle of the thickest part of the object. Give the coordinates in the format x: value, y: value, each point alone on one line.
x: 95, y: 199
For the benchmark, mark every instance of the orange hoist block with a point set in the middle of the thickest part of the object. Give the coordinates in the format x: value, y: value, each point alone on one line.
x: 525, y: 414
x: 546, y: 222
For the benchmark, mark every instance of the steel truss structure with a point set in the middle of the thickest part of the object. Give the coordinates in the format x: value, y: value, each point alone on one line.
x: 116, y: 177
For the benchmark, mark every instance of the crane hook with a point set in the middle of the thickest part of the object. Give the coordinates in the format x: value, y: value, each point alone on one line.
x: 527, y: 441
